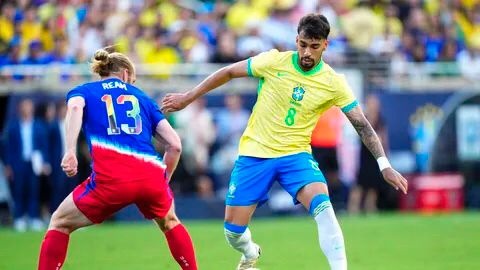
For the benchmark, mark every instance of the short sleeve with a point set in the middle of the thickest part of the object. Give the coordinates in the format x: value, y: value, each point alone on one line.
x: 155, y: 114
x: 257, y: 65
x: 344, y: 98
x: 78, y: 91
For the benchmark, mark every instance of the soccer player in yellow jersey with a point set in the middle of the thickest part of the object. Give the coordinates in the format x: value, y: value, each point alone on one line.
x: 295, y: 88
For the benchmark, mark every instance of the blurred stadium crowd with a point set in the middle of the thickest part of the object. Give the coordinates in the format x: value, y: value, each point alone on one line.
x: 176, y: 31
x: 41, y: 32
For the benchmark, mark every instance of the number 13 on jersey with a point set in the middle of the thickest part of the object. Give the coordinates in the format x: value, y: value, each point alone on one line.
x: 134, y: 113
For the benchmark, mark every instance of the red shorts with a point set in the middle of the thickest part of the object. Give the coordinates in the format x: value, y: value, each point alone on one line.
x: 98, y: 199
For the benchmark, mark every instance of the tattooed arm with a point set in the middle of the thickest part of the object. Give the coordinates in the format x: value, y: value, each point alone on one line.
x: 372, y: 142
x: 366, y: 132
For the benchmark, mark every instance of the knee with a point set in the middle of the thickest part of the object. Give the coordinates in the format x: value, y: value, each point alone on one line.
x: 60, y: 223
x: 169, y: 222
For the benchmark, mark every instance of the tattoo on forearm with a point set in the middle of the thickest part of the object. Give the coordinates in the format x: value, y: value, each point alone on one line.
x: 366, y: 132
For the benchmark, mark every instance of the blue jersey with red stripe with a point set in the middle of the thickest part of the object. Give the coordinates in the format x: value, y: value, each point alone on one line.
x: 118, y: 122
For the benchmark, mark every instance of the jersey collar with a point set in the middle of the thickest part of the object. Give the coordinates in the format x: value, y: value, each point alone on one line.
x: 312, y: 71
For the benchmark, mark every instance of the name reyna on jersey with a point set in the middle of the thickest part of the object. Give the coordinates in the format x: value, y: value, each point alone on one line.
x: 114, y: 84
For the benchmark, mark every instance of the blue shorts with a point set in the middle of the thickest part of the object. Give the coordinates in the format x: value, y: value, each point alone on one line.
x: 253, y: 177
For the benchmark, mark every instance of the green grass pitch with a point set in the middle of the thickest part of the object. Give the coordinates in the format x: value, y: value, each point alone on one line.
x: 387, y: 241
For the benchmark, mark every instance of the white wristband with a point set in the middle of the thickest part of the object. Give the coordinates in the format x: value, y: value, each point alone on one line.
x: 383, y: 163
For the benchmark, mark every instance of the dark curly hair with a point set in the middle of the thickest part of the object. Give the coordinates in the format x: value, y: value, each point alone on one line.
x: 314, y: 26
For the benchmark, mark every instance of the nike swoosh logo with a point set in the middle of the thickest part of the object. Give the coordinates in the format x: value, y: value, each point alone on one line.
x: 281, y: 74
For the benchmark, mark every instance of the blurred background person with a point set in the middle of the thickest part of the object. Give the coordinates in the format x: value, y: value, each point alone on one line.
x: 197, y: 131
x: 230, y: 124
x: 226, y: 49
x: 469, y: 61
x: 183, y: 181
x: 60, y: 185
x: 364, y: 195
x: 324, y: 142
x: 253, y: 42
x: 5, y: 196
x: 25, y: 156
x: 45, y: 113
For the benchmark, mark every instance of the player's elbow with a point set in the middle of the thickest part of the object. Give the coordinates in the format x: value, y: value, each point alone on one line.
x: 233, y: 71
x: 75, y: 108
x: 175, y: 146
x: 76, y: 104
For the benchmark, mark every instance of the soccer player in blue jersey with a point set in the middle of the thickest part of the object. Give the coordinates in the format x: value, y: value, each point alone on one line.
x: 119, y: 121
x: 295, y: 88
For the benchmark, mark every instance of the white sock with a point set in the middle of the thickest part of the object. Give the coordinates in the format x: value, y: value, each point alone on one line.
x: 242, y: 242
x: 330, y: 236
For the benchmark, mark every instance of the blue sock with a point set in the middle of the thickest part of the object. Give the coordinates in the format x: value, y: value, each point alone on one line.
x: 319, y: 203
x: 240, y: 238
x: 238, y: 229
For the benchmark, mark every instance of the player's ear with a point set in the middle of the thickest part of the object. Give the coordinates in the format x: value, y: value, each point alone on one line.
x: 125, y: 76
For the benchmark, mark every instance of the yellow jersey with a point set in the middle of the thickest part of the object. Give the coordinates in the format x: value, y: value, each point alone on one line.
x: 289, y: 103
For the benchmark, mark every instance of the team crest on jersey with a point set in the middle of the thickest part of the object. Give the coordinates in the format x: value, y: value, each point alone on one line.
x: 314, y: 165
x: 232, y: 188
x: 298, y: 93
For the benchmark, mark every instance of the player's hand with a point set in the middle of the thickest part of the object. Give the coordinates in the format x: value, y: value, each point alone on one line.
x: 175, y: 102
x: 70, y: 164
x: 395, y: 179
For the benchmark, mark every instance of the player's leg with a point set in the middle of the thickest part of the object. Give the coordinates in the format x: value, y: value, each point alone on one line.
x: 178, y: 239
x: 249, y: 184
x: 355, y: 200
x: 19, y: 187
x: 238, y: 234
x: 371, y: 201
x: 66, y: 219
x: 155, y: 201
x: 300, y: 176
x: 89, y: 203
x: 314, y: 197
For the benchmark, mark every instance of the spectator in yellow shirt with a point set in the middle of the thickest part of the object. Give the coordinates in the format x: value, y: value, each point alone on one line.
x: 148, y: 16
x: 126, y: 42
x: 242, y: 12
x: 46, y: 36
x: 30, y: 27
x: 145, y: 44
x: 163, y: 54
x: 6, y: 23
